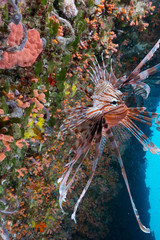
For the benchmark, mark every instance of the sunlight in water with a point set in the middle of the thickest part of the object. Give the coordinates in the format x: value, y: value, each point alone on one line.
x: 153, y: 183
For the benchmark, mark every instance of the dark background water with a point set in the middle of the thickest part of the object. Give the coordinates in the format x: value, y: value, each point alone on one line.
x: 124, y: 225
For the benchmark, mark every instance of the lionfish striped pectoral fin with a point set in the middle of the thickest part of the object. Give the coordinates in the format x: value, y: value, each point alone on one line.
x: 144, y: 61
x: 95, y: 161
x: 146, y: 73
x: 63, y: 189
x: 141, y: 88
x: 87, y: 133
x: 136, y: 77
x: 142, y: 138
x: 80, y: 152
x: 148, y: 118
x: 108, y: 133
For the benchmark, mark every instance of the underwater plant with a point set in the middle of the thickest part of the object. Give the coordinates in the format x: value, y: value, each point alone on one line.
x: 108, y: 113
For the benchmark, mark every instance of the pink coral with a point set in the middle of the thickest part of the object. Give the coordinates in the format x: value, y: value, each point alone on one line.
x: 28, y: 55
x: 16, y: 34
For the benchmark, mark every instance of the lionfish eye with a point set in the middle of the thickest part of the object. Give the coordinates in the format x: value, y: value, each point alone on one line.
x: 114, y: 102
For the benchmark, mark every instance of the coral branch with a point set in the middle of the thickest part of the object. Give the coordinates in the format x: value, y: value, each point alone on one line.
x: 6, y: 211
x: 64, y: 40
x: 17, y: 17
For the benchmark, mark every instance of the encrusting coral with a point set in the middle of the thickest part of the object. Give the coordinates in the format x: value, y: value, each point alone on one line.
x: 29, y: 53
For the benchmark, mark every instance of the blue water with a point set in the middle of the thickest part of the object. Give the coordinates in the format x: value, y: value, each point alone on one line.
x: 153, y: 183
x: 143, y: 171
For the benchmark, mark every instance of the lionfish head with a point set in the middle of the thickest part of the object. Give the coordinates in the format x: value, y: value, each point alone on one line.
x: 108, y: 101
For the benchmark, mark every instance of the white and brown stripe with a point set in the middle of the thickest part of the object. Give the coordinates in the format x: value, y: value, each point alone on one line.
x: 96, y: 123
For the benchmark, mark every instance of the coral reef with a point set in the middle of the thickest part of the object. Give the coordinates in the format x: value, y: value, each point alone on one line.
x: 37, y: 84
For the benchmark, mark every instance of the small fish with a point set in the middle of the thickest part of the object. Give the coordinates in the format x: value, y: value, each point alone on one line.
x: 107, y: 114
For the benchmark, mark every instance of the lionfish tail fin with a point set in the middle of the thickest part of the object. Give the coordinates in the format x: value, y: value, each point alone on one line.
x: 110, y: 136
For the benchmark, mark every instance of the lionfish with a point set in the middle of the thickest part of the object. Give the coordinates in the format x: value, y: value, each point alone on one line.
x: 98, y: 121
